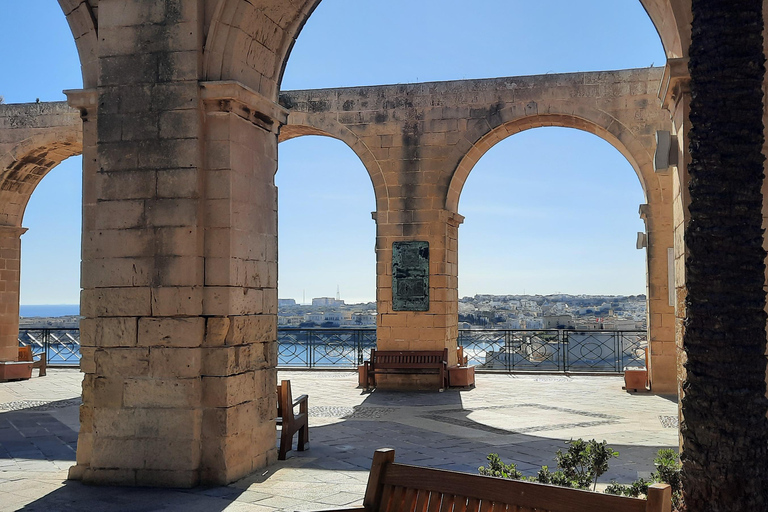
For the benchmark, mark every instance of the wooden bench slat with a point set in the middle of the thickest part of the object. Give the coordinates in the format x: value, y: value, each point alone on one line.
x: 526, y: 494
x: 386, y: 498
x: 422, y: 501
x: 486, y: 506
x: 396, y: 502
x: 447, y: 504
x: 460, y: 504
x: 434, y: 501
x: 409, y: 501
x: 473, y: 505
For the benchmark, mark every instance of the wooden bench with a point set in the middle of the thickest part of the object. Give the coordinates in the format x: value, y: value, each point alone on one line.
x: 397, y: 487
x: 25, y: 354
x: 407, y: 362
x: 290, y: 421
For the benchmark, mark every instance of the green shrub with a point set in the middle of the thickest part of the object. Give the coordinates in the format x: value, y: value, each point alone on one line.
x: 579, y: 467
x: 498, y: 469
x: 668, y: 466
x: 585, y: 461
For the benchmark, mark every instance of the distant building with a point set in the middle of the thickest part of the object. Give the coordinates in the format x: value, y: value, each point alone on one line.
x: 285, y: 303
x: 290, y: 321
x: 327, y: 302
x: 533, y: 323
x: 558, y: 322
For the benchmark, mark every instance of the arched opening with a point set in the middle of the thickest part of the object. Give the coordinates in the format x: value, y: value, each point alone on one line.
x: 653, y: 277
x: 47, y: 280
x: 558, y: 222
x: 49, y: 293
x: 326, y: 235
x: 39, y: 136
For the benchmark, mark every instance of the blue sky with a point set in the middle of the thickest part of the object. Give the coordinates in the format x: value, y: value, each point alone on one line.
x: 548, y: 210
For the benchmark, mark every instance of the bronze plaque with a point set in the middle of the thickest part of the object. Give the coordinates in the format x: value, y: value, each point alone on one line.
x: 410, y: 276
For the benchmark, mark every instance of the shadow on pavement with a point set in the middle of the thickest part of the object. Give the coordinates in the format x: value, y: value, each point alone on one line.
x: 36, y: 433
x: 75, y: 496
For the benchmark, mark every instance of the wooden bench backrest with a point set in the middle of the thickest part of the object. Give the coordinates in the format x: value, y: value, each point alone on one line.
x: 25, y: 354
x: 401, y: 488
x: 409, y: 359
x: 279, y: 400
x: 284, y: 400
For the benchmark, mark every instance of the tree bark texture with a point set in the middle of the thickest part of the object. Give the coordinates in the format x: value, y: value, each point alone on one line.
x: 724, y: 429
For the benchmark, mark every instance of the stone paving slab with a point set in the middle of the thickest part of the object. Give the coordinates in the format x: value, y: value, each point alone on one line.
x: 523, y: 418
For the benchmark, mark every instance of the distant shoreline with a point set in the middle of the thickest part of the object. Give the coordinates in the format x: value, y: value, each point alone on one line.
x: 48, y: 310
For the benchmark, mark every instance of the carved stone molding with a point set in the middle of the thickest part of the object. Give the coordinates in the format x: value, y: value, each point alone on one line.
x: 234, y: 97
x: 674, y: 83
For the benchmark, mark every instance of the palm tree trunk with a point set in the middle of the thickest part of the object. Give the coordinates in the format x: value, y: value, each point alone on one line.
x: 724, y: 429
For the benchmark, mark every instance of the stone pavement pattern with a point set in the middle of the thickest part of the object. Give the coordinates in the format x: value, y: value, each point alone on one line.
x: 524, y: 419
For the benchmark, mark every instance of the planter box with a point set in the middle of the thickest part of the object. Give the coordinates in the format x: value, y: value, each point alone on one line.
x: 362, y: 376
x: 15, y: 370
x: 636, y: 379
x: 461, y: 376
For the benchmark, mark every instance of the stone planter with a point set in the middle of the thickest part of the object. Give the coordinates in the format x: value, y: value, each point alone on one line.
x: 15, y: 370
x: 362, y: 376
x: 636, y: 379
x: 461, y: 376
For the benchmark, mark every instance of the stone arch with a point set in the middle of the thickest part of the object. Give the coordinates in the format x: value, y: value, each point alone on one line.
x: 22, y: 165
x: 251, y: 42
x: 672, y: 19
x: 26, y: 164
x: 300, y: 124
x: 657, y: 213
x: 599, y: 123
x: 82, y: 16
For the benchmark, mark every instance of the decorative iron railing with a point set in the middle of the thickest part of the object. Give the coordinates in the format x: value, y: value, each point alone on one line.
x: 62, y: 346
x: 324, y: 348
x: 554, y: 350
x: 546, y: 350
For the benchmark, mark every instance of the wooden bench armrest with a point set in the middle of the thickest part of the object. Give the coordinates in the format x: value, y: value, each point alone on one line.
x: 303, y: 403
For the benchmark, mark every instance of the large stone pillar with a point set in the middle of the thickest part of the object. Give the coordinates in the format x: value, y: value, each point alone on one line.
x: 10, y: 273
x: 437, y: 327
x: 179, y: 260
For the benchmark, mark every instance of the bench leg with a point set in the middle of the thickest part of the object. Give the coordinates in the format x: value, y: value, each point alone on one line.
x: 43, y: 364
x: 286, y: 439
x: 303, y: 437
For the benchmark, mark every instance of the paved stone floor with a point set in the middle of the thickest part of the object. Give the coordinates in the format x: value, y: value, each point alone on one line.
x: 524, y: 419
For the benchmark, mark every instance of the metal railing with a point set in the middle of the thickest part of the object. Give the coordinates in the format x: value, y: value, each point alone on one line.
x: 61, y: 346
x: 554, y: 350
x: 324, y: 348
x: 545, y: 350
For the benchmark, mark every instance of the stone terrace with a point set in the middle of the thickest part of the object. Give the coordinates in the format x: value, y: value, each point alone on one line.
x: 523, y: 418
